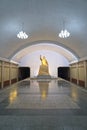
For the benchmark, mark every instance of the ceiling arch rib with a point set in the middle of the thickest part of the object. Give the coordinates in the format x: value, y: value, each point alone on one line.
x: 71, y: 57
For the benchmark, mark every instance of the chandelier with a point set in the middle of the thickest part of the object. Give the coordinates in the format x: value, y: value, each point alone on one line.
x: 64, y: 34
x: 22, y: 35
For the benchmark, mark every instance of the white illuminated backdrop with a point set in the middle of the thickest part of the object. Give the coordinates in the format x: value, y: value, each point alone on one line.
x: 54, y: 59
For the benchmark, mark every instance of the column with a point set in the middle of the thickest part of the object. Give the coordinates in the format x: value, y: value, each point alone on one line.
x: 10, y: 73
x: 85, y: 73
x: 2, y: 75
x: 77, y: 67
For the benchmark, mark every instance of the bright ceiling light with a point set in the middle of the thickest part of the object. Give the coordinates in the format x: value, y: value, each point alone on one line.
x: 22, y: 35
x: 64, y: 34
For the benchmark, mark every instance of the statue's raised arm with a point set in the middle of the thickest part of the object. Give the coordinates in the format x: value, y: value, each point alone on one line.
x: 40, y: 58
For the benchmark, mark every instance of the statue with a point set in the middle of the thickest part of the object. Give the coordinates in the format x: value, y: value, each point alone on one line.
x: 43, y: 60
x: 44, y: 67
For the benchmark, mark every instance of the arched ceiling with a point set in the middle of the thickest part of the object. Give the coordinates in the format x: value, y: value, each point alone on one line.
x: 68, y: 54
x: 43, y: 21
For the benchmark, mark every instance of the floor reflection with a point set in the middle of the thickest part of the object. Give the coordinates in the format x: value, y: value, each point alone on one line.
x: 44, y: 87
x: 43, y: 105
x: 12, y: 96
x: 33, y: 94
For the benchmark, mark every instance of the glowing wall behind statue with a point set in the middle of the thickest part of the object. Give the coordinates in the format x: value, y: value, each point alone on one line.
x: 54, y: 59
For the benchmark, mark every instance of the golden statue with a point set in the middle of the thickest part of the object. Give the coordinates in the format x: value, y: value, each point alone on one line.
x: 43, y: 61
x: 44, y: 67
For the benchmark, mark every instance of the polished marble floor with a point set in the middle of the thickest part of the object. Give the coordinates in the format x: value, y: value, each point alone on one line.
x: 43, y: 105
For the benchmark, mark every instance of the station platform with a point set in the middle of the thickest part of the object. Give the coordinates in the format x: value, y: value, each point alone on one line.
x: 43, y: 105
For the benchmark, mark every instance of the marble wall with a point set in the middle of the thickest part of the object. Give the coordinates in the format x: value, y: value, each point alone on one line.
x: 8, y: 73
x: 78, y: 73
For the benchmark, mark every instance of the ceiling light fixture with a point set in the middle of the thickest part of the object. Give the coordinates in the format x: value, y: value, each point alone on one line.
x: 22, y: 34
x: 64, y: 33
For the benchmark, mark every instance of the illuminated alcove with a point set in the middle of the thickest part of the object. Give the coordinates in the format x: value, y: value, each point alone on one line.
x: 33, y: 61
x: 57, y: 56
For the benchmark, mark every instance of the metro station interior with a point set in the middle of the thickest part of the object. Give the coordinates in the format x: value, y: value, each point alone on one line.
x: 43, y: 65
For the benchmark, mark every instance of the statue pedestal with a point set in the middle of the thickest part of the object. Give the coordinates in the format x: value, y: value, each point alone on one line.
x: 44, y: 76
x: 43, y: 72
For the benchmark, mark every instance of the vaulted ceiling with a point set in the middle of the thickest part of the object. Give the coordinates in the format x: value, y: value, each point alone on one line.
x: 43, y: 20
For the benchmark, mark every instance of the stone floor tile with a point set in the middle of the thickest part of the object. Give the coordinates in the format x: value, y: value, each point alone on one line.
x: 43, y: 105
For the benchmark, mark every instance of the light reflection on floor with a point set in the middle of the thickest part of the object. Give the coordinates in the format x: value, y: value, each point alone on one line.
x: 35, y: 94
x: 39, y: 105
